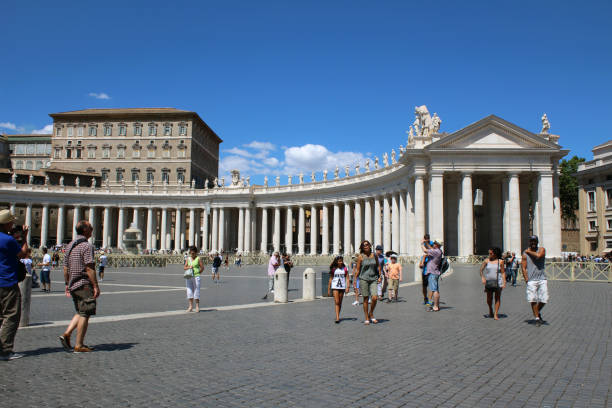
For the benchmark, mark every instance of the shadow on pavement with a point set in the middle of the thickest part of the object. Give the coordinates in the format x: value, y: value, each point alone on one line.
x: 98, y: 347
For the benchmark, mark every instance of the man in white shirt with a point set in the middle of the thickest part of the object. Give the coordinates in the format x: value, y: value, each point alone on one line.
x: 103, y: 262
x: 45, y: 273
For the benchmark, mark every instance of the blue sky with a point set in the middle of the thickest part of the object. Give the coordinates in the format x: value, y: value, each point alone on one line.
x: 272, y: 77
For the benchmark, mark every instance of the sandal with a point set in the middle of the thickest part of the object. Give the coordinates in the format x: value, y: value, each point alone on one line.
x: 374, y: 321
x: 366, y: 322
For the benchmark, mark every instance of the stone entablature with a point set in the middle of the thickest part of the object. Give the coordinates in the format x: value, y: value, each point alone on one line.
x: 431, y: 189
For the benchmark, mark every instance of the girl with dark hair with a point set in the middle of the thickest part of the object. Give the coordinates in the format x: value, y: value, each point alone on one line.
x: 338, y: 282
x: 194, y: 263
x: 493, y: 276
x: 368, y: 271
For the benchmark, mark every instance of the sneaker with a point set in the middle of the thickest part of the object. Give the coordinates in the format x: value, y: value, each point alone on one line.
x: 542, y: 319
x: 272, y: 291
x: 65, y: 341
x: 82, y: 349
x: 11, y: 356
x: 538, y: 322
x: 426, y: 302
x: 264, y: 298
x: 356, y: 303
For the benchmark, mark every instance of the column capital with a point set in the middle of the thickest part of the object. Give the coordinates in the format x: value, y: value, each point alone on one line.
x: 467, y: 173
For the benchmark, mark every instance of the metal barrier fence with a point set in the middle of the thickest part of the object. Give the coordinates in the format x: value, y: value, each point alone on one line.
x: 579, y: 271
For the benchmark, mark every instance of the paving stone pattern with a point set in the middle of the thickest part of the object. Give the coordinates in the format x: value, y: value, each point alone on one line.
x: 294, y: 355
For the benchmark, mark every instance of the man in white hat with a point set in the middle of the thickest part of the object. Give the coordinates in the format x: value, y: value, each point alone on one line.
x: 10, y: 296
x: 433, y: 270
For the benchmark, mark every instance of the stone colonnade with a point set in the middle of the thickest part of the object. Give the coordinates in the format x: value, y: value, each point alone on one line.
x: 438, y: 203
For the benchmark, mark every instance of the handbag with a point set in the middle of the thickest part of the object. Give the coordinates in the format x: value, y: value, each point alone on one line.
x: 493, y: 284
x: 21, y: 271
x: 188, y: 274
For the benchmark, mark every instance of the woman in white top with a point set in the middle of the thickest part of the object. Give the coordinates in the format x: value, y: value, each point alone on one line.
x: 338, y: 282
x: 493, y: 277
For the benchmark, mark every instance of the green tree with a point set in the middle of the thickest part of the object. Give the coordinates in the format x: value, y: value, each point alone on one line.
x: 568, y: 186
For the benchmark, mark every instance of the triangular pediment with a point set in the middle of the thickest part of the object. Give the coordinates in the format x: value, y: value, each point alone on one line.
x: 493, y: 132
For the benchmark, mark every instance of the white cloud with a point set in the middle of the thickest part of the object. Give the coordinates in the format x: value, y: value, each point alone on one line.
x: 100, y: 95
x: 311, y: 157
x: 47, y: 130
x: 261, y: 145
x: 239, y: 152
x: 8, y: 125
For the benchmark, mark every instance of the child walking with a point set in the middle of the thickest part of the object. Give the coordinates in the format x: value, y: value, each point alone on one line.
x: 338, y: 283
x: 395, y: 276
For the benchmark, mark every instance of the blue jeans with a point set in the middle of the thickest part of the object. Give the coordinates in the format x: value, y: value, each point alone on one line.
x: 513, y: 273
x: 432, y: 281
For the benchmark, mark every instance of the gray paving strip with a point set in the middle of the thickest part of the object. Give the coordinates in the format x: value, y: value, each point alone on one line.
x: 120, y: 292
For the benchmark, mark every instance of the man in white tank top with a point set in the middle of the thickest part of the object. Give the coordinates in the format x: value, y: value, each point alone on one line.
x: 533, y: 268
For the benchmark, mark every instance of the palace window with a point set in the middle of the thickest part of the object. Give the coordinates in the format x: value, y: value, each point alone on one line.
x: 58, y: 131
x: 29, y: 165
x: 70, y: 131
x: 136, y: 150
x: 151, y: 150
x: 80, y: 131
x: 121, y: 152
x: 77, y: 153
x: 591, y: 201
x: 120, y: 175
x: 122, y: 130
x: 108, y: 130
x: 104, y: 173
x: 135, y: 176
x: 609, y: 198
x: 93, y: 131
x: 18, y: 165
x: 41, y: 148
x: 165, y: 175
x: 105, y: 152
x: 58, y: 153
x: 150, y: 175
x: 38, y: 165
x: 593, y: 246
x: 69, y: 153
x: 167, y: 129
x: 30, y: 149
x: 609, y: 222
x: 91, y: 152
x: 137, y: 129
x: 180, y: 175
x: 592, y: 225
x: 152, y: 129
x: 182, y: 130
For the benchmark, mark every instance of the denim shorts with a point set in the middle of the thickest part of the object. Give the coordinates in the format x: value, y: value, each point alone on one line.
x: 432, y: 281
x: 44, y: 276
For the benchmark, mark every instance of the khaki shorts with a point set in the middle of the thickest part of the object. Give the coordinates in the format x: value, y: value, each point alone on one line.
x: 393, y: 284
x: 368, y: 288
x: 84, y: 302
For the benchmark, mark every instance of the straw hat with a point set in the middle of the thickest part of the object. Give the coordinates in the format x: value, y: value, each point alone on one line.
x: 6, y: 216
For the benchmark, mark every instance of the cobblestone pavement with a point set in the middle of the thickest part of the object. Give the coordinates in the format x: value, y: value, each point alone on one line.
x: 294, y: 355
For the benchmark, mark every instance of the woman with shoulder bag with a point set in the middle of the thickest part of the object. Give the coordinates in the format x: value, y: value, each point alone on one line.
x: 493, y: 276
x: 192, y: 268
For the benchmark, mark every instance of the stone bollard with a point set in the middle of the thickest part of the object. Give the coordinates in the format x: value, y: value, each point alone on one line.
x: 26, y: 296
x: 281, y: 286
x: 309, y: 283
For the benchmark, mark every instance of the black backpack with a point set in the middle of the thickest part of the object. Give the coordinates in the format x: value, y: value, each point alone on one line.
x: 444, y: 265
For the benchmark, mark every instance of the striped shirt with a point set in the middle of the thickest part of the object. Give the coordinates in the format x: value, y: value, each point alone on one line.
x: 81, y: 256
x: 536, y: 268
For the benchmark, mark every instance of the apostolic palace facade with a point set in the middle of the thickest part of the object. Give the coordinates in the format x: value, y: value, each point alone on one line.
x: 490, y: 183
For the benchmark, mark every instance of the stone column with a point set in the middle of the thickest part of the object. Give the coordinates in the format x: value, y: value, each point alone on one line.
x: 135, y: 218
x: 314, y: 229
x: 163, y: 245
x: 325, y: 230
x: 106, y: 228
x: 289, y: 231
x: 411, y: 237
x: 436, y: 206
x: 358, y: 220
x: 514, y: 194
x: 76, y: 216
x: 150, y: 215
x: 367, y: 221
x: 403, y: 219
x: 28, y: 222
x: 264, y: 231
x: 61, y: 211
x: 549, y: 237
x: 120, y: 227
x: 205, y: 230
x: 377, y: 226
x: 494, y: 205
x: 346, y: 246
x: 386, y: 223
x: 221, y: 229
x: 247, y: 230
x: 12, y: 208
x: 92, y: 221
x: 197, y: 231
x: 240, y: 230
x: 183, y: 230
x: 44, y: 226
x: 555, y: 249
x: 177, y: 230
x: 419, y: 215
x: 192, y: 227
x: 301, y: 230
x: 505, y: 214
x: 395, y: 224
x: 277, y: 229
x: 336, y: 228
x: 214, y: 245
x: 466, y: 212
x: 169, y: 232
